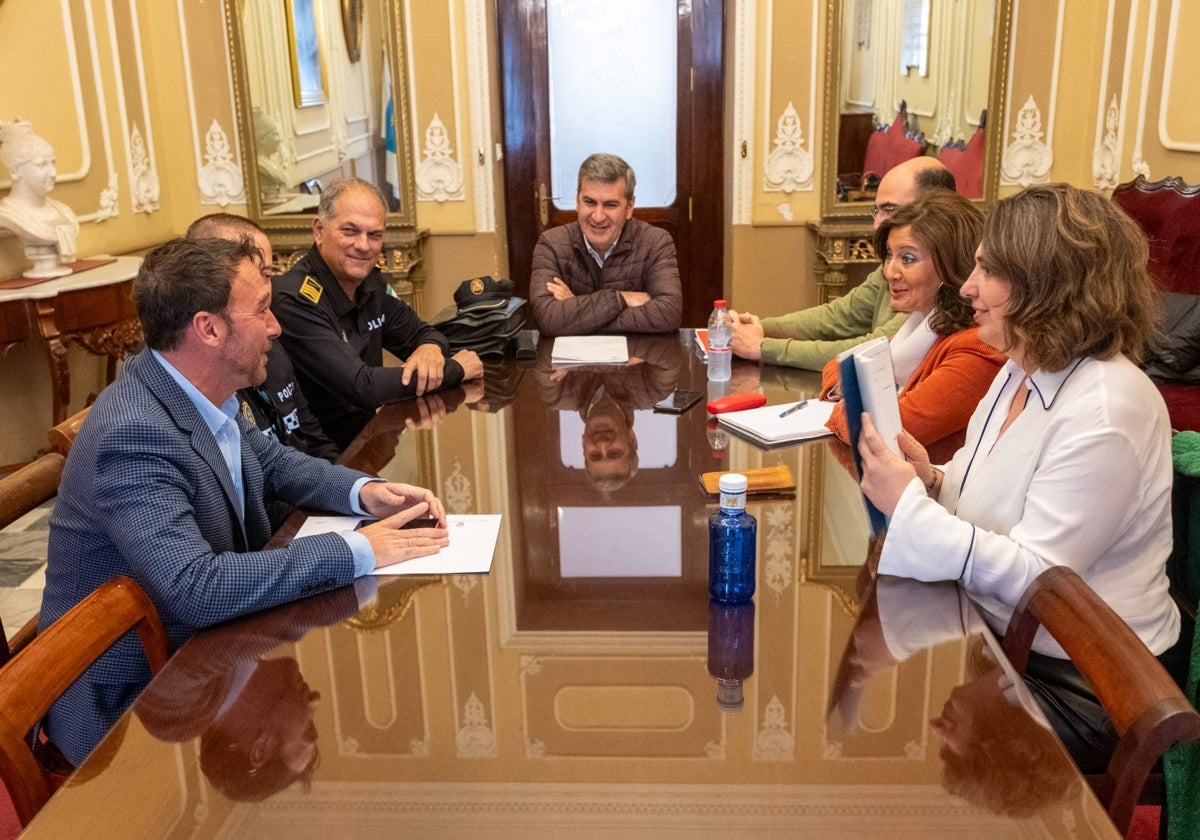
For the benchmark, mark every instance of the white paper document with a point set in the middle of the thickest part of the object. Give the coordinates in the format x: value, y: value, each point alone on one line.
x: 590, y: 350
x: 472, y: 544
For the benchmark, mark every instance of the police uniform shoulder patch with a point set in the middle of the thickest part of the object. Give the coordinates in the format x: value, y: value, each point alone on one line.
x: 248, y: 413
x: 310, y: 289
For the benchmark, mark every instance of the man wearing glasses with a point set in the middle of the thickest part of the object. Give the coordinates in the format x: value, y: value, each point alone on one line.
x: 811, y: 337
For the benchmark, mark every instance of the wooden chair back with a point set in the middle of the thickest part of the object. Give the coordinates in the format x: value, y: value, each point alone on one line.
x: 63, y: 435
x: 21, y: 492
x: 1147, y: 709
x: 28, y: 487
x: 39, y: 674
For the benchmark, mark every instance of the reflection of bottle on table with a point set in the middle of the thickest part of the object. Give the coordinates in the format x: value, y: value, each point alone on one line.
x: 718, y: 438
x: 730, y: 650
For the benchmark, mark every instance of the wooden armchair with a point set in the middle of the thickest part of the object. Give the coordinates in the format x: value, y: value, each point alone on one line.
x: 63, y: 435
x: 1147, y: 709
x: 21, y: 492
x: 39, y: 674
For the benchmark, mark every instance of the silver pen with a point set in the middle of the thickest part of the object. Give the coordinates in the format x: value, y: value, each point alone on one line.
x: 796, y: 407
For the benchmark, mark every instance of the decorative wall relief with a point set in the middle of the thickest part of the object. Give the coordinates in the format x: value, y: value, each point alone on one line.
x: 1106, y: 164
x: 780, y: 539
x: 774, y: 742
x: 745, y: 57
x: 439, y: 175
x: 145, y: 188
x: 475, y: 738
x: 457, y: 491
x: 220, y: 178
x: 789, y: 167
x: 1027, y: 160
x: 108, y: 200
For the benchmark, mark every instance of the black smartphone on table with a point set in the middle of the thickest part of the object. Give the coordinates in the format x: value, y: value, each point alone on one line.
x: 678, y: 401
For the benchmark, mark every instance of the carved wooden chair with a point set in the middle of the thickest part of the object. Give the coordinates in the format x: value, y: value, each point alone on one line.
x: 1147, y: 709
x: 21, y: 492
x: 63, y: 435
x: 39, y: 674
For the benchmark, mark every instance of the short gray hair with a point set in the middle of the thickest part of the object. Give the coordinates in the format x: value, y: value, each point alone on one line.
x: 327, y: 207
x: 607, y: 169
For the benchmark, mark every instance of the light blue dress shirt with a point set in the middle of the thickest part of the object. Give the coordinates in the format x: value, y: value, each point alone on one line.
x: 222, y: 422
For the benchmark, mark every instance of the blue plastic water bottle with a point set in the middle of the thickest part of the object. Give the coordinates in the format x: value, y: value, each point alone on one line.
x: 732, y: 544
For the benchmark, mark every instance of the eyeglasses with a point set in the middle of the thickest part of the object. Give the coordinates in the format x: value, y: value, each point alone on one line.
x: 884, y: 210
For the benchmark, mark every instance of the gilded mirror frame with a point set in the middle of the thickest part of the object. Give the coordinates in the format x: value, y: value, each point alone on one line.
x: 831, y: 208
x: 291, y: 234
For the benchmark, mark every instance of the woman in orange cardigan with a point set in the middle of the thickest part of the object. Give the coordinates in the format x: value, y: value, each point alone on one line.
x: 942, y: 368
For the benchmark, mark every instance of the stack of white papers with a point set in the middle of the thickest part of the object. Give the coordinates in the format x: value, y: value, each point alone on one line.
x: 765, y: 427
x: 590, y: 350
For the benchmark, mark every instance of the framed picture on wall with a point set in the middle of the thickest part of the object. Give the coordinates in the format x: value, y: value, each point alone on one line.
x: 352, y: 21
x: 307, y: 50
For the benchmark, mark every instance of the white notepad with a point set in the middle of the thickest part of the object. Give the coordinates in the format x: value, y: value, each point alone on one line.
x: 590, y: 350
x: 764, y: 425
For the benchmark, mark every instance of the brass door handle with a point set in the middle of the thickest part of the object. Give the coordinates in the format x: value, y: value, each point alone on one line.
x: 543, y: 205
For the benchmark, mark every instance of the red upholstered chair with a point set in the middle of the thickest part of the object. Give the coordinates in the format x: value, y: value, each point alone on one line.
x: 889, y: 146
x: 875, y: 160
x: 965, y: 161
x: 903, y: 145
x: 1169, y: 212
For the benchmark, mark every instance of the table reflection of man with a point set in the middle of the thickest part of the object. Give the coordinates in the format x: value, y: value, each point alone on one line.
x: 251, y: 709
x: 606, y: 396
x: 997, y: 751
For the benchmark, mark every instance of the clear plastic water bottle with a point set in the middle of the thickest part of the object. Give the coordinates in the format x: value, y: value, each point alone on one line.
x: 732, y: 544
x: 720, y: 334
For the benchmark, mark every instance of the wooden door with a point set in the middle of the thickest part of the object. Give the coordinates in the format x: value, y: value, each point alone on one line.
x: 695, y: 217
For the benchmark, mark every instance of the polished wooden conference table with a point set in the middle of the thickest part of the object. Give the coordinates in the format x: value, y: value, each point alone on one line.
x: 573, y: 691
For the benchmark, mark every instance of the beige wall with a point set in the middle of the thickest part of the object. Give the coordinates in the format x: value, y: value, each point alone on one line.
x: 88, y: 73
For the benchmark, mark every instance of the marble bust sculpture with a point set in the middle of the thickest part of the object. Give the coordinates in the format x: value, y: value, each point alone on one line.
x: 272, y: 174
x: 46, y: 228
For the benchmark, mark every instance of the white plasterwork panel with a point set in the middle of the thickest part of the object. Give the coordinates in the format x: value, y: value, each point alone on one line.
x: 1178, y: 86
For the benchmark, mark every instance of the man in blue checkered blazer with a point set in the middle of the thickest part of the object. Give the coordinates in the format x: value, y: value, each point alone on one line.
x: 167, y: 483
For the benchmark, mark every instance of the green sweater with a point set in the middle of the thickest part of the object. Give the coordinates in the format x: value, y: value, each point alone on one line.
x: 811, y: 337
